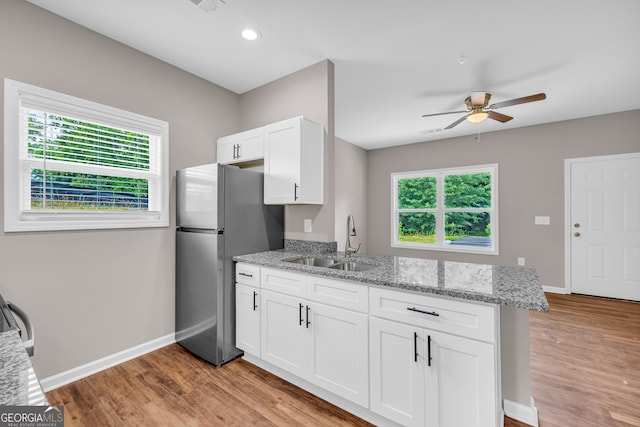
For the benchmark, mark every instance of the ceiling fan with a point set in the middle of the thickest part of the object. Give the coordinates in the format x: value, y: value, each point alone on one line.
x: 478, y: 108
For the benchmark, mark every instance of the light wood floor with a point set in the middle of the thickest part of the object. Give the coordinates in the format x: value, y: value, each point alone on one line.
x: 585, y: 366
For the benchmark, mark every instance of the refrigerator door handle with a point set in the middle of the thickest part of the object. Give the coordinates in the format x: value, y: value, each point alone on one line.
x: 31, y: 339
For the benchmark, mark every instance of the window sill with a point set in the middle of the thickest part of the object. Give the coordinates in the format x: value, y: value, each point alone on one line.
x: 448, y: 248
x: 64, y: 221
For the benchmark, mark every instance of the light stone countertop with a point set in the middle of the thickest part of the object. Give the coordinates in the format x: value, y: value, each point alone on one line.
x: 510, y: 286
x: 18, y: 382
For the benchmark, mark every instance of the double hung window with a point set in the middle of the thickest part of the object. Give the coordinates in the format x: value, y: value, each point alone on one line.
x: 75, y: 164
x: 446, y: 209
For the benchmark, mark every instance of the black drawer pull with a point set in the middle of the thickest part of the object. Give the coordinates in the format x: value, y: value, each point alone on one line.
x: 430, y: 313
x: 300, y: 317
x: 245, y: 274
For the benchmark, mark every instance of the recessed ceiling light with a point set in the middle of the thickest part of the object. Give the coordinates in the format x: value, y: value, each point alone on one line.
x: 250, y: 34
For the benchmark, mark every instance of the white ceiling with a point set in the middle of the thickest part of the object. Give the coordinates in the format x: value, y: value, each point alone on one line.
x: 397, y: 60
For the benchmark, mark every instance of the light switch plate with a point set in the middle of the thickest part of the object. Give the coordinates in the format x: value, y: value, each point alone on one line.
x: 307, y: 226
x: 542, y: 220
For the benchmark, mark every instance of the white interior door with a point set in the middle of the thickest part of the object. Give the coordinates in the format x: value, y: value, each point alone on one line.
x: 604, y: 226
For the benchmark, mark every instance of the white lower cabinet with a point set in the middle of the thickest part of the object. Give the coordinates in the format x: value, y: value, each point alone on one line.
x: 248, y: 319
x: 421, y: 377
x: 461, y: 382
x: 327, y: 346
x: 338, y: 352
x: 283, y: 332
x: 397, y: 380
x: 406, y: 358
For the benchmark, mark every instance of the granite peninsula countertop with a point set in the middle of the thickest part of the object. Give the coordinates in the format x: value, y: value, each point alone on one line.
x: 510, y: 286
x: 18, y: 382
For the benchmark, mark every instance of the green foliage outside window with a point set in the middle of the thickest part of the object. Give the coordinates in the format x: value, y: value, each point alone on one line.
x: 80, y: 142
x: 462, y: 191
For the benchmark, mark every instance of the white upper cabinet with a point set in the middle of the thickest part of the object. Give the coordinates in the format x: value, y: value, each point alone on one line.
x: 241, y: 147
x: 293, y: 162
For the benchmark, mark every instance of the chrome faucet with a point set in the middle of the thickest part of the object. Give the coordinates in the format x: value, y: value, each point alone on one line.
x: 351, y: 231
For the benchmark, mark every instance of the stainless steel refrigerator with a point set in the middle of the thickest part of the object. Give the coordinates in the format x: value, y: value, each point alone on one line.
x: 220, y: 214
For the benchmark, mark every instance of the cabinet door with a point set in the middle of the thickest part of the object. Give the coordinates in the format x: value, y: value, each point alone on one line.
x: 250, y: 145
x: 248, y: 319
x: 461, y: 382
x: 283, y: 332
x: 226, y: 151
x: 397, y: 372
x: 282, y: 162
x: 338, y: 358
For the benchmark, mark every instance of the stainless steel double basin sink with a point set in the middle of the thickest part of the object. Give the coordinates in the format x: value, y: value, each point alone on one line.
x: 333, y: 264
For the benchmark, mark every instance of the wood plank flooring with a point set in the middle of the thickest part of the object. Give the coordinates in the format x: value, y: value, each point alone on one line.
x: 585, y: 362
x: 585, y: 366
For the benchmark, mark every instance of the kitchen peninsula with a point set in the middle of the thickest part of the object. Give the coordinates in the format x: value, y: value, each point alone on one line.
x: 394, y: 340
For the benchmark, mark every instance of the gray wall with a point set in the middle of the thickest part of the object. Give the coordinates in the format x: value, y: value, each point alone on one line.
x: 95, y: 293
x: 351, y: 193
x: 531, y: 181
x: 308, y: 92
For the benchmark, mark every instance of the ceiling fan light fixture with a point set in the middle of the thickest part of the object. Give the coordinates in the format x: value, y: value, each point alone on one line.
x: 477, y: 117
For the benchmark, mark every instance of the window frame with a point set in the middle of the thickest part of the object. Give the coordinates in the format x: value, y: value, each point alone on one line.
x: 17, y: 219
x: 440, y: 210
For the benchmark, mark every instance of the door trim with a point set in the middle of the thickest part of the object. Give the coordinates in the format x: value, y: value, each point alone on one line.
x: 567, y: 206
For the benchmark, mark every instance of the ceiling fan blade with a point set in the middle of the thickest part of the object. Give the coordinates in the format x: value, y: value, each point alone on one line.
x: 516, y: 101
x: 503, y: 118
x: 457, y: 122
x: 449, y: 112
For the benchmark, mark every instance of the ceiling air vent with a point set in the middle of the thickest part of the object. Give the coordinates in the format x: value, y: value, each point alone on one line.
x: 208, y: 5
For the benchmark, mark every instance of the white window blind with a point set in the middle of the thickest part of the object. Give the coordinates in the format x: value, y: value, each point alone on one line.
x: 81, y: 164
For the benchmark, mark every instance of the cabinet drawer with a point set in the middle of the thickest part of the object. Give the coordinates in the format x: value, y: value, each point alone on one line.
x: 248, y: 274
x: 473, y: 320
x: 283, y: 281
x: 338, y: 293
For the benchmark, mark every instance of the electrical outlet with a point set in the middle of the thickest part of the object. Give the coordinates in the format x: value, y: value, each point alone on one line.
x: 307, y: 226
x: 521, y: 261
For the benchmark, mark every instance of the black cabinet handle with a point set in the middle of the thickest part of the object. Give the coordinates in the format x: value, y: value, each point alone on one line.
x: 415, y: 346
x: 430, y: 313
x: 245, y: 274
x: 234, y: 151
x: 238, y: 151
x: 295, y: 191
x: 429, y: 350
x: 255, y: 306
x: 308, y: 321
x: 300, y: 311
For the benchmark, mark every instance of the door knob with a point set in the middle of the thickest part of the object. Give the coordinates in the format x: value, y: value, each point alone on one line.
x: 576, y: 234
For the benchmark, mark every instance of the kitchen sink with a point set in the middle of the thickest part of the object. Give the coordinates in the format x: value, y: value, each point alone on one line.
x: 332, y: 263
x: 314, y: 261
x: 352, y: 266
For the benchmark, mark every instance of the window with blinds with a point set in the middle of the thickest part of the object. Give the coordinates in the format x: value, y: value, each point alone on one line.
x: 81, y: 165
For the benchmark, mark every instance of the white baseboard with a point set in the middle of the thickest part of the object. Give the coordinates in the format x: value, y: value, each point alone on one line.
x: 555, y: 290
x: 79, y: 372
x: 523, y: 413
